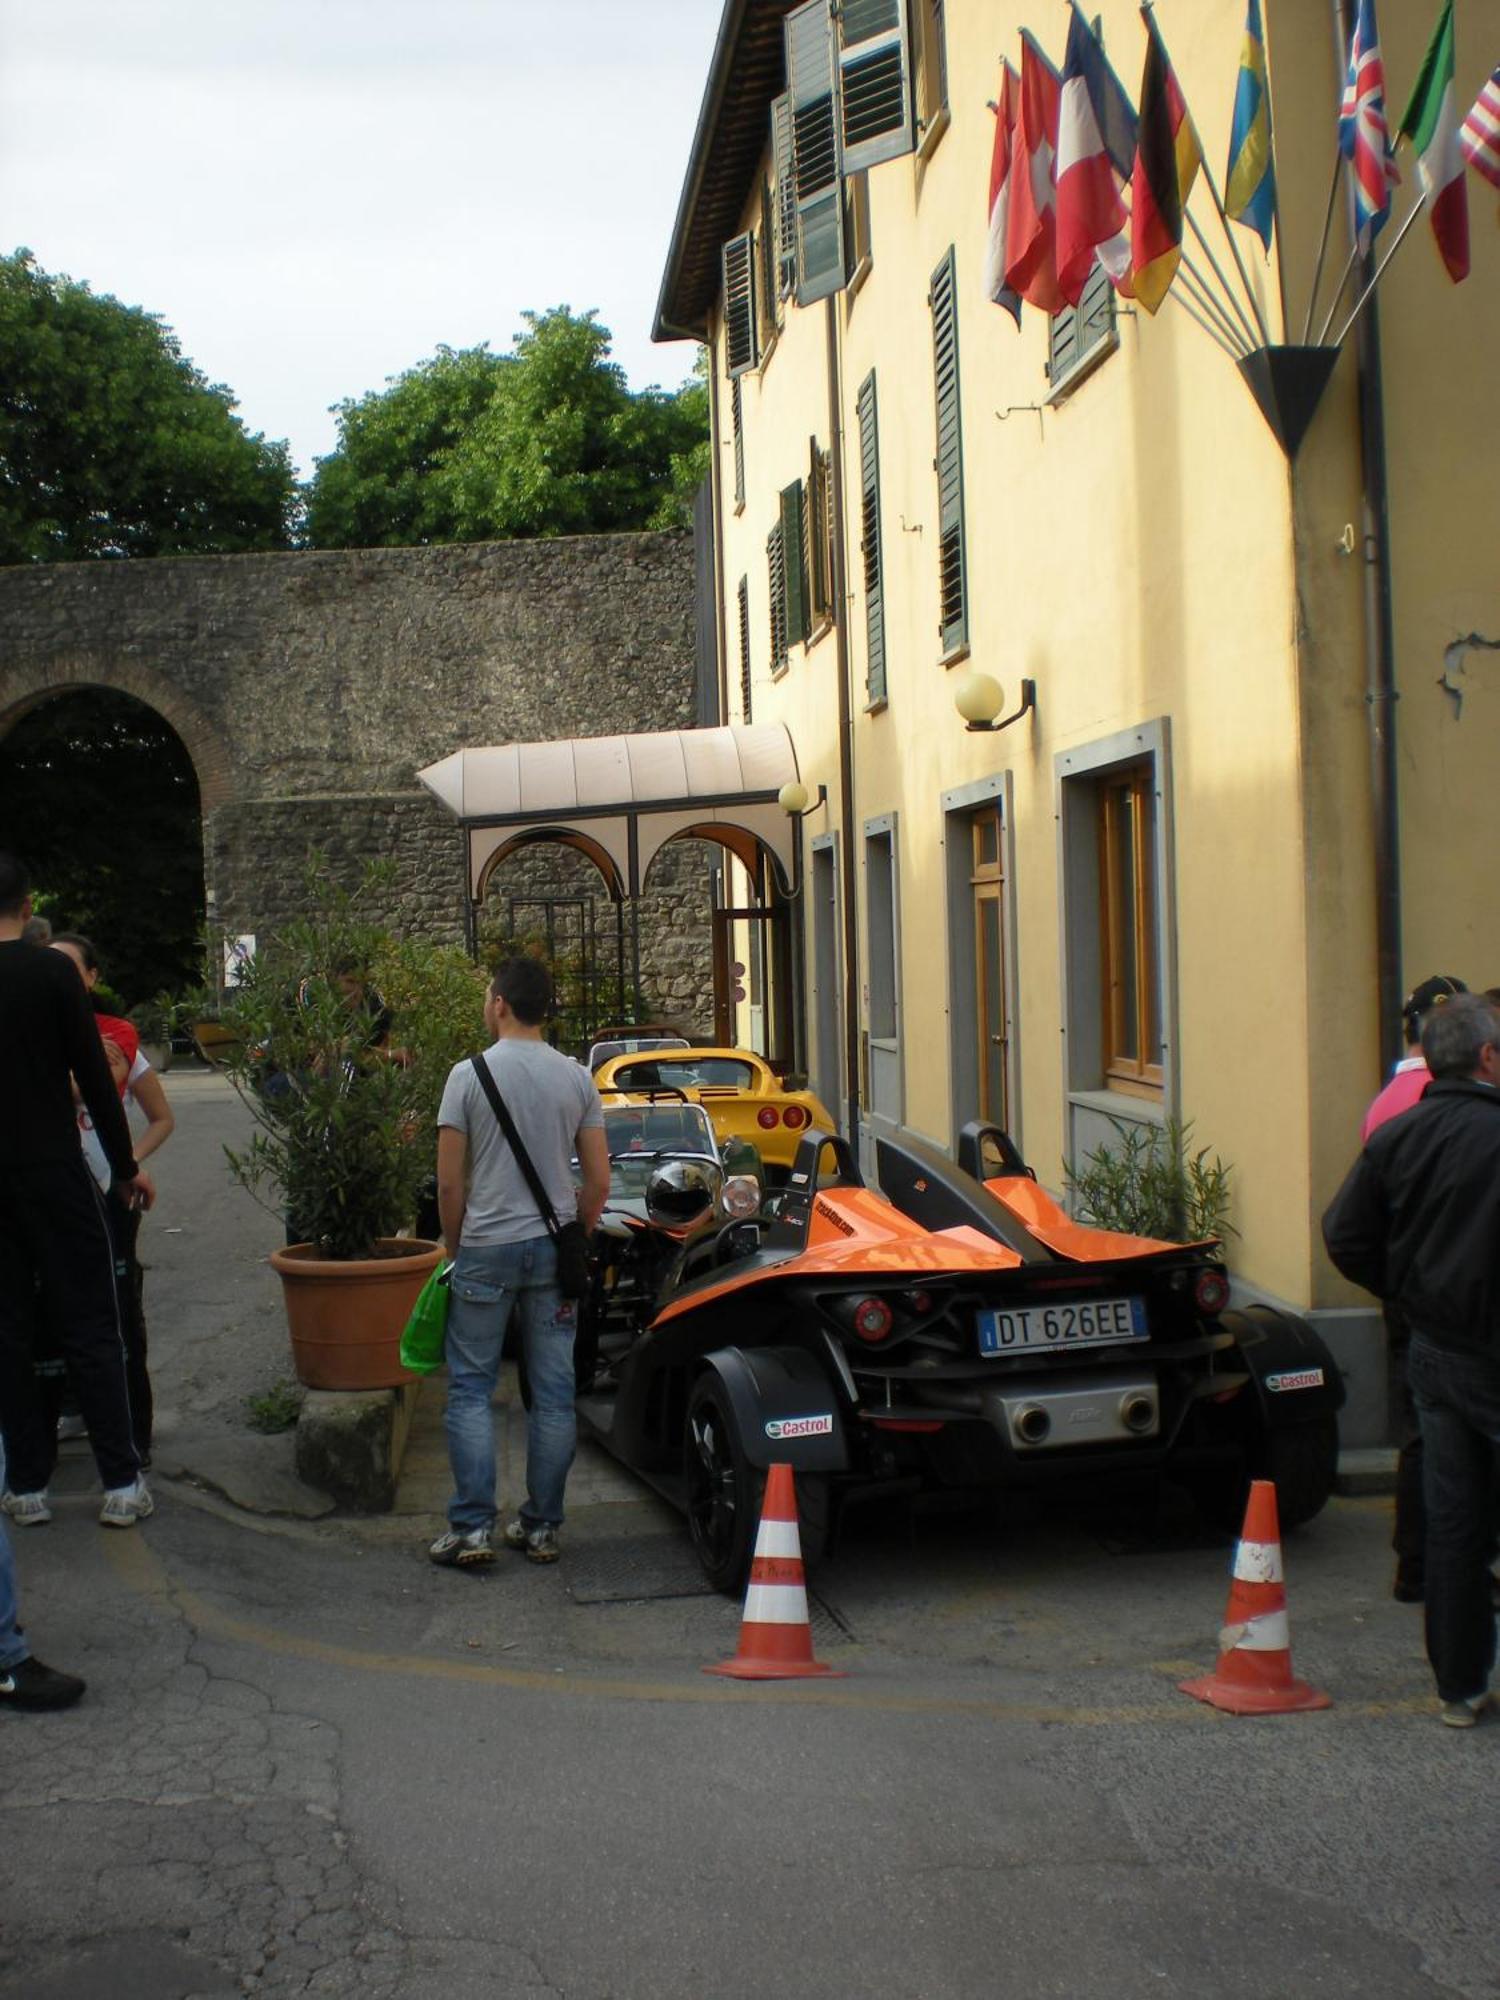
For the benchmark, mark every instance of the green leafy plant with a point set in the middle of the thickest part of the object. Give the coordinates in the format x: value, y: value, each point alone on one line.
x: 340, y: 1147
x: 153, y: 1019
x: 277, y: 1410
x: 1153, y: 1184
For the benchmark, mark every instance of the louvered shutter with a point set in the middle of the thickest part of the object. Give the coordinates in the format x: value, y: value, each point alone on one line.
x: 740, y: 345
x: 745, y: 648
x: 767, y: 297
x: 875, y: 82
x: 776, y: 573
x: 953, y: 581
x: 869, y: 540
x: 819, y: 531
x: 736, y: 410
x: 812, y: 78
x: 786, y: 196
x: 1077, y: 330
x: 794, y: 551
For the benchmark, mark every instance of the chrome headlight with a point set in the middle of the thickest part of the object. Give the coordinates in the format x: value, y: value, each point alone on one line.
x: 740, y: 1197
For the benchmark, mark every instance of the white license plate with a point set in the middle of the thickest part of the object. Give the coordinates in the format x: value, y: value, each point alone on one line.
x: 1084, y: 1323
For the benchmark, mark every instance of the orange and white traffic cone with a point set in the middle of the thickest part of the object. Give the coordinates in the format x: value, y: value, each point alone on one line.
x: 1254, y: 1674
x: 775, y: 1633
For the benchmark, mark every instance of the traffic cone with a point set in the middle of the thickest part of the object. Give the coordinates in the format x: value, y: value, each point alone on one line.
x: 1254, y: 1674
x: 775, y: 1633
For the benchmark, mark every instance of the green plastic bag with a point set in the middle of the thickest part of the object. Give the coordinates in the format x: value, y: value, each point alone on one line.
x: 426, y: 1330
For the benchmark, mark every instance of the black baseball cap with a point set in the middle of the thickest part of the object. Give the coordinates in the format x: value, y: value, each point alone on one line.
x: 1422, y: 999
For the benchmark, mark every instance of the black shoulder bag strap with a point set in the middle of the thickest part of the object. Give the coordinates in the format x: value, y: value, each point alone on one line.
x: 523, y: 1159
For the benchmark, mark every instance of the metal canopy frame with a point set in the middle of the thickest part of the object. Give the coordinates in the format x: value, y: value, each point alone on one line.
x: 621, y: 799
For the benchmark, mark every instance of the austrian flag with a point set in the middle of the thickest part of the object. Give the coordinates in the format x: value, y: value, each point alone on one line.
x: 1431, y: 123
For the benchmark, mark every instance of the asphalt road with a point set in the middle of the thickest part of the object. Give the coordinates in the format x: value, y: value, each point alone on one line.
x: 309, y: 1763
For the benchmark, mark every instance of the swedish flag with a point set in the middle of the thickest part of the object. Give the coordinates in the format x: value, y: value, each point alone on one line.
x: 1250, y: 185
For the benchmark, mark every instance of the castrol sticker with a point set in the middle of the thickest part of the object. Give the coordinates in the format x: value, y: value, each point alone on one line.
x: 799, y: 1427
x: 1295, y: 1378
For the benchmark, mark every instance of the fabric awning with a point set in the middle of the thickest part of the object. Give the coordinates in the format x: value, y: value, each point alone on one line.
x: 620, y: 799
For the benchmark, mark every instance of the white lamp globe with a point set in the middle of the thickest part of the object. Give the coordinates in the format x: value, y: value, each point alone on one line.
x: 979, y: 697
x: 793, y: 797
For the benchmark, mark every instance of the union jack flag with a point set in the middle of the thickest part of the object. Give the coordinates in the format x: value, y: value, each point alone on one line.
x: 1364, y: 135
x: 1479, y: 135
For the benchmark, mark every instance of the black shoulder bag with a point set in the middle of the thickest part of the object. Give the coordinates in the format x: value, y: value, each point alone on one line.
x: 571, y: 1238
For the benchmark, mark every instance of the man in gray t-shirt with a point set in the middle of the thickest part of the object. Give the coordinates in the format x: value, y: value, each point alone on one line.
x: 504, y: 1257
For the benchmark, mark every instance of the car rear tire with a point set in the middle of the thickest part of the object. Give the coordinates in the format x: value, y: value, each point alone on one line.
x: 723, y: 1487
x: 1304, y: 1461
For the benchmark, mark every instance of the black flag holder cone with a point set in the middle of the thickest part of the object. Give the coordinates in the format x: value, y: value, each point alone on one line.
x: 1288, y: 385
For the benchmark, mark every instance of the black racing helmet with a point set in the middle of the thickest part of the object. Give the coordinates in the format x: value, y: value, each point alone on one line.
x: 679, y: 1192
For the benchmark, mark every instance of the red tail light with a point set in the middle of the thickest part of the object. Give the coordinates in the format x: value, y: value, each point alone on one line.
x: 1210, y: 1293
x: 765, y: 1118
x: 794, y: 1117
x: 872, y: 1319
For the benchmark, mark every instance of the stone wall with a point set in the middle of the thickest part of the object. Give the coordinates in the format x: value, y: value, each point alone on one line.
x: 310, y: 688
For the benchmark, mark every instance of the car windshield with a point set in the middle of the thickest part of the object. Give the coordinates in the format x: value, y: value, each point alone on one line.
x: 687, y: 1073
x: 626, y: 1045
x: 639, y: 1134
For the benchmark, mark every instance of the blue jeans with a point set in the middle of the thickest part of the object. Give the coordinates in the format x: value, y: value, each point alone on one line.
x: 487, y: 1284
x: 13, y: 1648
x: 1458, y: 1406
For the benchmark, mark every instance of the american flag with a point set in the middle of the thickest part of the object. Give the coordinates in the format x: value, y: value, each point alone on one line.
x: 1364, y: 134
x: 1479, y: 135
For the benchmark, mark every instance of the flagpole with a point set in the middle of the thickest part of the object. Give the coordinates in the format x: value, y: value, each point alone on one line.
x: 1359, y: 304
x: 1212, y: 185
x: 1333, y: 304
x: 1235, y: 353
x: 1192, y: 277
x: 1203, y: 243
x: 1312, y: 297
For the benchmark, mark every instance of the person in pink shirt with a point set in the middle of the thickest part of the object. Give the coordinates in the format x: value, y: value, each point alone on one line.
x: 1410, y: 1076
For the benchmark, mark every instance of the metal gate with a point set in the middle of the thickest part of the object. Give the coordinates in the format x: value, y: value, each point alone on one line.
x: 594, y: 961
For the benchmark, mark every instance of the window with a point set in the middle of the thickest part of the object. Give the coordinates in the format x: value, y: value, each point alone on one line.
x: 884, y: 957
x: 737, y: 425
x: 931, y: 54
x: 768, y: 295
x: 1129, y: 952
x: 819, y: 535
x: 786, y: 200
x: 857, y: 227
x: 869, y: 540
x: 812, y: 80
x: 1081, y: 331
x: 987, y: 887
x: 874, y: 82
x: 776, y: 570
x: 744, y: 597
x: 953, y: 618
x: 741, y: 341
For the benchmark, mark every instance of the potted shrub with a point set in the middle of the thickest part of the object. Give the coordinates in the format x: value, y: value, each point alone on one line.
x: 343, y: 1140
x: 152, y: 1021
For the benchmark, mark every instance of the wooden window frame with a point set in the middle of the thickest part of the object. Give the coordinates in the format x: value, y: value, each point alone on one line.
x: 1129, y: 934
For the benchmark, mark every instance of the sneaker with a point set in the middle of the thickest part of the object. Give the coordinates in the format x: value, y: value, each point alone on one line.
x: 125, y: 1505
x: 71, y: 1427
x: 457, y: 1549
x: 29, y: 1684
x: 27, y: 1510
x: 538, y: 1545
x: 1464, y: 1714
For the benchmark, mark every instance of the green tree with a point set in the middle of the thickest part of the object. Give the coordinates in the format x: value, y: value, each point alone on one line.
x: 112, y: 443
x: 547, y: 440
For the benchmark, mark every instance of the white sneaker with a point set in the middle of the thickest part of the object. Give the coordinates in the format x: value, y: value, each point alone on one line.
x: 27, y: 1510
x: 125, y: 1505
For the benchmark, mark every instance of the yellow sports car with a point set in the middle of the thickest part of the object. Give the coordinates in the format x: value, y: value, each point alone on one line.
x: 743, y: 1096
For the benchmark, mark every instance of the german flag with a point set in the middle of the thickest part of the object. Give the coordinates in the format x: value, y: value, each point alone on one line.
x: 1167, y: 160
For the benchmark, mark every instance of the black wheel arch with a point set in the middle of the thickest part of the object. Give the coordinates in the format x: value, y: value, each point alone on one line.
x: 774, y: 1386
x: 1293, y: 1375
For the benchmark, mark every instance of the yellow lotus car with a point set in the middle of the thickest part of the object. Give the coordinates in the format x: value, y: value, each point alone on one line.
x: 745, y: 1099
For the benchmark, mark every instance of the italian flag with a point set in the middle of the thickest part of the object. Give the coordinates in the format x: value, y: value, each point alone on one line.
x: 1432, y: 123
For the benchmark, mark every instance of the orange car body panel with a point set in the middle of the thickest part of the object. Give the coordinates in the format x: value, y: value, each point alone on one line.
x: 1036, y: 1211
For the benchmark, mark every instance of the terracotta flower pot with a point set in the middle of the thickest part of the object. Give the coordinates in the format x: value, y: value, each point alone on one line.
x: 346, y: 1316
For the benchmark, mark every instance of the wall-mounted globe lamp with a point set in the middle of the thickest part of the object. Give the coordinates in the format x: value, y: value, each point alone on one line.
x: 979, y: 699
x: 796, y: 801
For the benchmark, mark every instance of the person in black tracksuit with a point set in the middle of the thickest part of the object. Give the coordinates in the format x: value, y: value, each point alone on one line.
x: 1417, y: 1221
x: 54, y: 1240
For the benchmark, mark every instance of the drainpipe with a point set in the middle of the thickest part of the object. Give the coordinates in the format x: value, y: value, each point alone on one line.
x: 716, y: 496
x: 849, y: 871
x: 1380, y: 645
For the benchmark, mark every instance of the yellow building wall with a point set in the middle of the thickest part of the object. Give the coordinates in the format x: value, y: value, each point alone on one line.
x: 1142, y: 550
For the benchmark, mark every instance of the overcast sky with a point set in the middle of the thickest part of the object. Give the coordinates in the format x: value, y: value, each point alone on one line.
x: 315, y: 193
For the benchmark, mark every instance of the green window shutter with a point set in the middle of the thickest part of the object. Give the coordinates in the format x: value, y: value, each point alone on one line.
x: 745, y: 647
x: 740, y: 344
x: 1077, y: 330
x: 875, y: 82
x: 786, y: 196
x: 767, y: 296
x: 776, y: 572
x: 869, y: 540
x: 736, y: 411
x: 812, y: 78
x: 953, y: 580
x: 794, y: 549
x: 819, y: 532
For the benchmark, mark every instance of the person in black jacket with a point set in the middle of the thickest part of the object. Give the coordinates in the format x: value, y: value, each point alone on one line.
x: 1417, y: 1221
x: 54, y: 1240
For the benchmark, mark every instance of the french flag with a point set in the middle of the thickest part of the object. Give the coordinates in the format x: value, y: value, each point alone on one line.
x: 1091, y: 218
